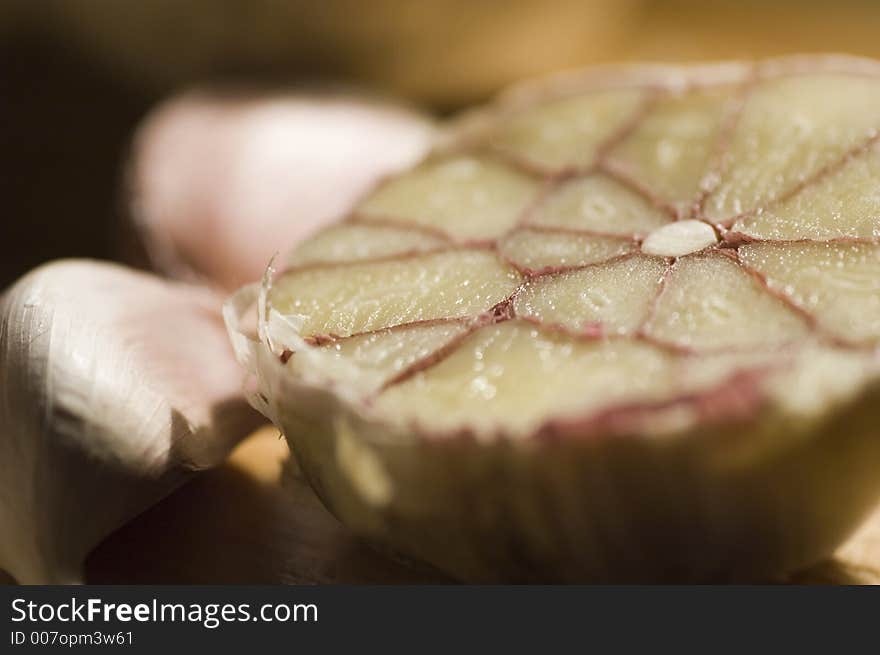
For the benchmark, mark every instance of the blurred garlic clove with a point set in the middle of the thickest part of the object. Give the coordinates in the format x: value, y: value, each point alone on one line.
x: 114, y: 387
x: 221, y: 182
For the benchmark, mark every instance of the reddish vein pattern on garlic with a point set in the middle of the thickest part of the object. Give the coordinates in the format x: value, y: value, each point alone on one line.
x: 740, y: 254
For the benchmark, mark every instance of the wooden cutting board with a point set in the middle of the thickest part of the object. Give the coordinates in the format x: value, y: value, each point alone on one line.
x: 236, y: 525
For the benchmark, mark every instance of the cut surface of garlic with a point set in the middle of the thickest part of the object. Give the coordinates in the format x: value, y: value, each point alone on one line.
x: 578, y: 264
x: 647, y: 257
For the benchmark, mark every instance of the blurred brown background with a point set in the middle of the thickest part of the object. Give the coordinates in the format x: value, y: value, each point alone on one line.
x: 76, y: 76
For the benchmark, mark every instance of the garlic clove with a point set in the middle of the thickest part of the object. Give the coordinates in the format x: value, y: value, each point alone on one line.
x: 220, y: 182
x: 114, y: 387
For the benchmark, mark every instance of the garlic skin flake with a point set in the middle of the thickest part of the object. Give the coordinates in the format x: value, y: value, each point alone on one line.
x: 679, y: 238
x: 114, y: 387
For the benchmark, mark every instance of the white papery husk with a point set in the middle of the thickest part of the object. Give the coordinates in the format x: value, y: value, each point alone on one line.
x: 105, y: 407
x: 675, y: 496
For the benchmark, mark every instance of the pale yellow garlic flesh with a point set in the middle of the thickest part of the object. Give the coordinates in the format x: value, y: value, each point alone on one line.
x: 663, y: 252
x: 591, y: 251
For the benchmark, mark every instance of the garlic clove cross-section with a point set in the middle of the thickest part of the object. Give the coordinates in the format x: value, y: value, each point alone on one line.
x: 114, y: 387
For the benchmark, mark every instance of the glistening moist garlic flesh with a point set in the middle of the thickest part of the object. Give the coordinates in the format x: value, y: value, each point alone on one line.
x: 594, y: 261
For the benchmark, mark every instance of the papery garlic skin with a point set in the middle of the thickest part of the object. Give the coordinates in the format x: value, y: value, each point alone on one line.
x: 114, y: 387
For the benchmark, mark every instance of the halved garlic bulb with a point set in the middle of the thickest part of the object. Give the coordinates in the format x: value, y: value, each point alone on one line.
x: 620, y: 327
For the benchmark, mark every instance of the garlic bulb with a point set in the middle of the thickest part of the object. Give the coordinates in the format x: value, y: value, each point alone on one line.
x: 114, y: 387
x: 624, y: 326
